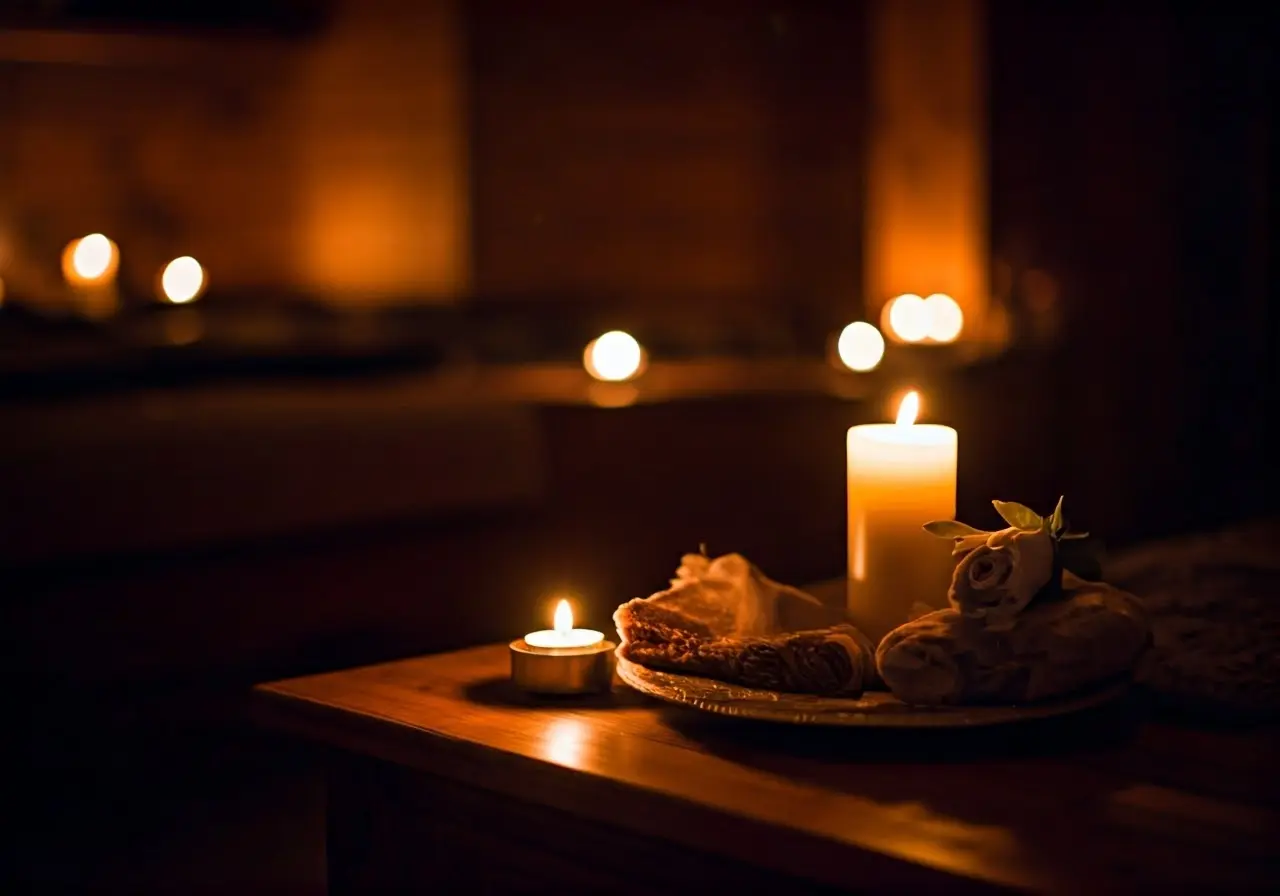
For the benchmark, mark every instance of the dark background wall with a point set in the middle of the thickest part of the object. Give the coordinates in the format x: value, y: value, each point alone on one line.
x: 1133, y: 192
x: 641, y: 153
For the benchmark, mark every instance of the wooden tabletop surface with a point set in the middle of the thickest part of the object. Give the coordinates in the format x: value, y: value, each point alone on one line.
x: 1104, y: 801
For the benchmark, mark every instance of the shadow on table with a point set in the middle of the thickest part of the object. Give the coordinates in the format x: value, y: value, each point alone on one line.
x: 1087, y: 730
x: 962, y: 774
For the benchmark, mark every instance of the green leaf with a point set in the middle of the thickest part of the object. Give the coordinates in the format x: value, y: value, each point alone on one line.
x: 951, y: 529
x: 1073, y: 536
x: 1056, y: 522
x: 1018, y: 515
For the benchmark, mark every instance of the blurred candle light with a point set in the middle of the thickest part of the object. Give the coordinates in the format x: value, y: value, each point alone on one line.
x: 614, y: 357
x: 908, y: 317
x: 182, y: 280
x: 926, y: 151
x: 90, y: 260
x: 89, y: 265
x: 946, y: 320
x: 860, y: 346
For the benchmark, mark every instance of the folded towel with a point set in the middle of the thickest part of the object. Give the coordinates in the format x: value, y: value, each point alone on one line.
x: 723, y: 619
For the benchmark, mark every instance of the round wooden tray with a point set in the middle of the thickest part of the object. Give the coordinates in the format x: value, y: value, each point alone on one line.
x: 877, y: 709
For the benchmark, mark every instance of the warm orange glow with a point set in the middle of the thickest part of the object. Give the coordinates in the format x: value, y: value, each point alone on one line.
x: 612, y: 395
x: 182, y: 280
x: 182, y: 327
x: 909, y: 409
x: 1, y: 292
x: 925, y: 204
x: 946, y: 320
x: 908, y: 317
x: 860, y: 346
x: 90, y: 259
x: 563, y: 623
x: 614, y: 357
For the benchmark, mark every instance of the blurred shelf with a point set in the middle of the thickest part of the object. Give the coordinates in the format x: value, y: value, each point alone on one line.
x: 128, y: 49
x: 662, y: 381
x: 457, y: 354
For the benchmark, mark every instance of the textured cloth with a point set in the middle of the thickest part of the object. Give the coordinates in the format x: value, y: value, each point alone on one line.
x: 1214, y: 605
x: 836, y: 660
x: 724, y: 619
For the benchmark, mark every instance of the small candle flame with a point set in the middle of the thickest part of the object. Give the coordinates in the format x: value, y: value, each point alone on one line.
x: 909, y: 409
x: 563, y: 618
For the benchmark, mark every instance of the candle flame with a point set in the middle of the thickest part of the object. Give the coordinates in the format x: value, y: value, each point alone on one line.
x: 909, y: 409
x: 564, y: 617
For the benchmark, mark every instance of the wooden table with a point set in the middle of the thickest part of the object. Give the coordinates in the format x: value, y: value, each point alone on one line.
x: 442, y: 774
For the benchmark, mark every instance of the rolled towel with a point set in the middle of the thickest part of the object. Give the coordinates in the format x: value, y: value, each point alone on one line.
x: 998, y: 574
x: 1093, y: 633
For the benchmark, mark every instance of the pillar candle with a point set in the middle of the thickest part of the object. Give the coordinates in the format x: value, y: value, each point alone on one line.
x: 901, y: 475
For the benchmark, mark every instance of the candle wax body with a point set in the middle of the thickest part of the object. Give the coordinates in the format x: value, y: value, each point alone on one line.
x: 558, y: 640
x: 900, y: 477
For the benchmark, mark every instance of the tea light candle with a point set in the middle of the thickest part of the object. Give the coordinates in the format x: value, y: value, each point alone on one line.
x: 900, y: 475
x: 563, y: 659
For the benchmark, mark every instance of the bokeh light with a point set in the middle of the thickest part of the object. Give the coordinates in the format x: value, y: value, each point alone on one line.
x: 908, y: 317
x: 182, y: 280
x: 90, y: 259
x: 614, y: 357
x: 860, y: 346
x: 946, y: 320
